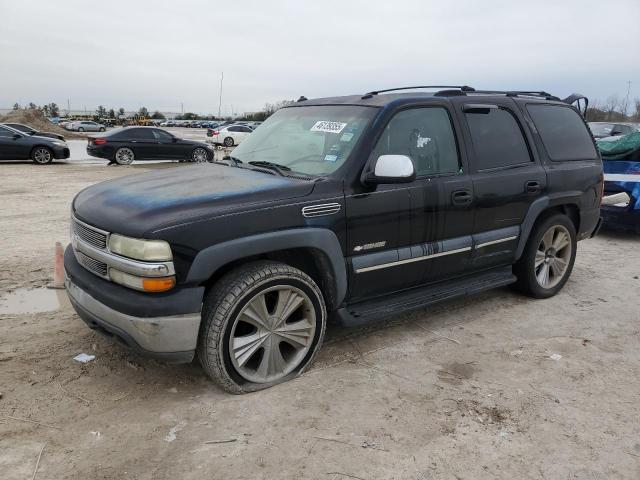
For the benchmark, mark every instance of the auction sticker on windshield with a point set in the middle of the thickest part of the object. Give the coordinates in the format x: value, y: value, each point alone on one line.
x: 329, y: 127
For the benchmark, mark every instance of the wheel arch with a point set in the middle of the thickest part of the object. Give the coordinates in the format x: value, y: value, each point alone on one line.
x: 542, y: 208
x: 315, y: 251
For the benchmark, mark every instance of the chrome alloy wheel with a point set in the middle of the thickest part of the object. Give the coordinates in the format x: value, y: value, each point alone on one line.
x: 272, y: 334
x: 124, y: 156
x: 200, y: 155
x: 42, y: 155
x: 553, y: 256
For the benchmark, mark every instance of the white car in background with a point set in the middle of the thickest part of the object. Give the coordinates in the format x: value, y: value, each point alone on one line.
x: 85, y: 126
x: 229, y: 135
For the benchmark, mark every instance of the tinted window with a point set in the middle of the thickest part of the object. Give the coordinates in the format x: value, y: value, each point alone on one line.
x: 22, y: 128
x: 426, y: 136
x: 246, y: 129
x: 563, y: 133
x: 143, y: 134
x: 497, y: 138
x: 162, y: 136
x: 234, y: 129
x: 5, y: 132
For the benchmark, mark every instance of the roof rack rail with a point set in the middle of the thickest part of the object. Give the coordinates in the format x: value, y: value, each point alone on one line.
x: 463, y: 88
x: 517, y: 93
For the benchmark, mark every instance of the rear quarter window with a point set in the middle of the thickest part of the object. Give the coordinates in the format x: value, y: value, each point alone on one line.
x: 563, y: 133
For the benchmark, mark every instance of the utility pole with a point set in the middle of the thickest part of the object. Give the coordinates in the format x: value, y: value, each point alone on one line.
x: 220, y: 99
x: 626, y: 100
x: 182, y: 108
x: 68, y: 107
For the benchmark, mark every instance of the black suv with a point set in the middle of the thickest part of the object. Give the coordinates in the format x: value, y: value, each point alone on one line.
x: 348, y: 208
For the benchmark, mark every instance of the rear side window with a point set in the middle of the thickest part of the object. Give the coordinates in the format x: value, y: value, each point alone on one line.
x: 563, y: 133
x: 497, y: 138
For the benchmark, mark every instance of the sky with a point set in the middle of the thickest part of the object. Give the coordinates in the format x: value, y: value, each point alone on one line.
x: 169, y: 55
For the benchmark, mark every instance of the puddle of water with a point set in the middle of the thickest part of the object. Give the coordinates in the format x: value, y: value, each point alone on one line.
x: 32, y: 300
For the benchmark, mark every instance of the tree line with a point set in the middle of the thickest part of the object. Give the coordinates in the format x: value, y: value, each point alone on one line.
x: 53, y: 110
x: 614, y: 109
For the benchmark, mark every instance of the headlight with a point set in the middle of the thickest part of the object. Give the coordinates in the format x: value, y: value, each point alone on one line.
x: 146, y: 250
x: 161, y: 284
x: 60, y: 144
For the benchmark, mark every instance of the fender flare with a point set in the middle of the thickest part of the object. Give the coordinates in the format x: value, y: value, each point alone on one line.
x: 536, y: 208
x: 212, y: 258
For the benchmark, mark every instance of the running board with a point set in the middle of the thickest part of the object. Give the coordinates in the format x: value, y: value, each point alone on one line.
x: 416, y: 298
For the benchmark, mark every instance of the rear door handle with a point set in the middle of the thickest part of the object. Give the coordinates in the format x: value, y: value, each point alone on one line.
x: 461, y: 197
x: 532, y: 186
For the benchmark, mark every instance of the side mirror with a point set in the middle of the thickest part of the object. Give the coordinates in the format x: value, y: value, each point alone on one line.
x: 391, y: 169
x: 16, y: 136
x: 174, y: 140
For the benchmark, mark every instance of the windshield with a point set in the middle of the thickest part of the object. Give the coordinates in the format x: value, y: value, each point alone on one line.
x: 308, y: 140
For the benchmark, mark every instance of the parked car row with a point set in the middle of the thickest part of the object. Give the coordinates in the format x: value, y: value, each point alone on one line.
x: 204, y: 123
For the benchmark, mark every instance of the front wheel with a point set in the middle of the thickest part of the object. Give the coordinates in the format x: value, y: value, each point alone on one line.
x: 41, y: 155
x: 262, y: 324
x: 124, y: 156
x: 80, y: 129
x: 548, y: 257
x: 102, y: 129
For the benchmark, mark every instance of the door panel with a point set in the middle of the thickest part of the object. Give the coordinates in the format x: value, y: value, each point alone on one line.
x: 378, y: 223
x: 507, y: 178
x: 144, y: 144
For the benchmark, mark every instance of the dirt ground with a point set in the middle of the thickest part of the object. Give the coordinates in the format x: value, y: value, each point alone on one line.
x: 493, y: 386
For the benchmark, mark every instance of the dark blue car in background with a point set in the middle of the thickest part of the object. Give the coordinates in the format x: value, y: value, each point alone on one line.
x: 621, y: 164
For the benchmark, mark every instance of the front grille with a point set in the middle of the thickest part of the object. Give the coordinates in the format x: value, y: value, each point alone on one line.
x: 91, y: 264
x: 90, y: 235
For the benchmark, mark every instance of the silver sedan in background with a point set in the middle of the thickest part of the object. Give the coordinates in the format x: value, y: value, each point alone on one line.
x: 85, y: 126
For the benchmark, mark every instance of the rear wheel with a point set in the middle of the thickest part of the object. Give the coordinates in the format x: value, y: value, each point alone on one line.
x: 228, y: 142
x: 548, y: 257
x: 200, y: 155
x: 41, y: 155
x: 262, y: 324
x: 102, y: 129
x: 124, y: 156
x: 80, y: 129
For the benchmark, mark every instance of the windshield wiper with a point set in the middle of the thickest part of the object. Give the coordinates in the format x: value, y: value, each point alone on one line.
x: 235, y: 160
x: 271, y: 166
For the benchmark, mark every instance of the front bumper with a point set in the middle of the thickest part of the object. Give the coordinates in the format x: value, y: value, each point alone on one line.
x: 154, y: 325
x: 60, y: 153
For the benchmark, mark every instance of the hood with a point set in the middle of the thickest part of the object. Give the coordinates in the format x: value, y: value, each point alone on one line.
x: 136, y: 205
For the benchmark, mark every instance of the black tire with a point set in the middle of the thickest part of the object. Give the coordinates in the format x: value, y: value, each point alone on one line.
x: 80, y: 129
x: 102, y: 129
x: 227, y: 299
x: 196, y: 155
x: 124, y: 156
x: 525, y: 269
x: 228, y: 142
x: 41, y: 155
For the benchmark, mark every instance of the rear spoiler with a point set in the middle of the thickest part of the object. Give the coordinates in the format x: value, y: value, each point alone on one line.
x: 579, y: 102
